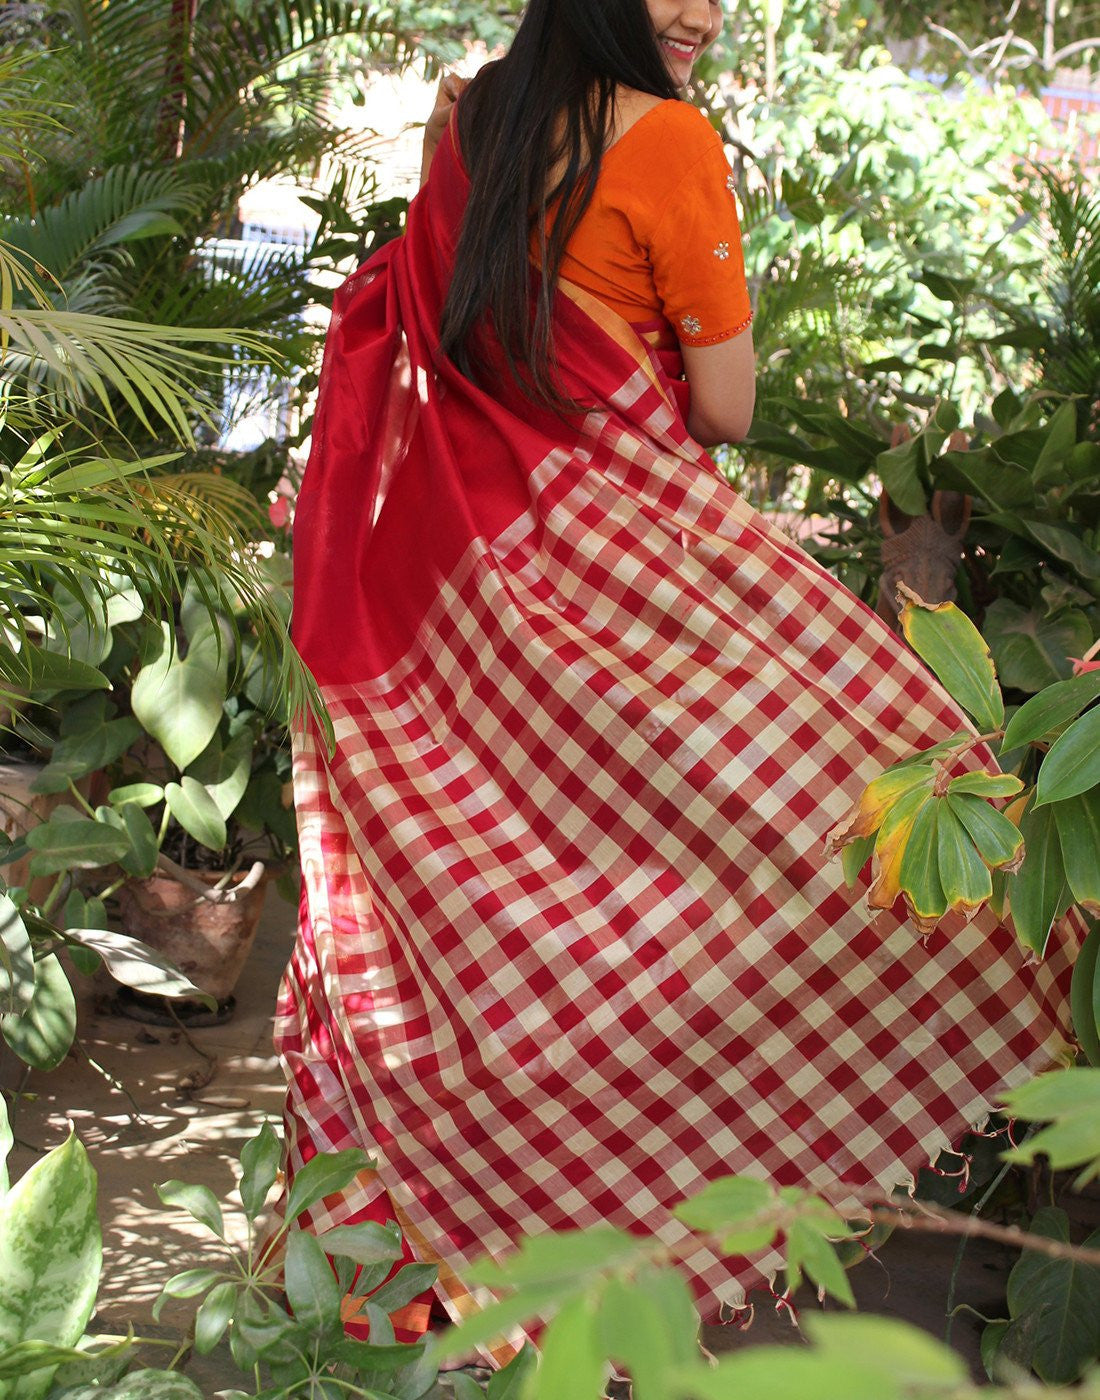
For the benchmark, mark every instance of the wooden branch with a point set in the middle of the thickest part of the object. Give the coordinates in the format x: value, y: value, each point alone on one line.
x: 216, y: 894
x: 922, y: 1215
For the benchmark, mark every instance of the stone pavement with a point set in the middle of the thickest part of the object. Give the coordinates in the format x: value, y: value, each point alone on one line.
x: 197, y: 1098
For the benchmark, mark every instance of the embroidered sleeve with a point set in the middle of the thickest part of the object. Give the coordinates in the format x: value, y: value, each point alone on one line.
x: 695, y: 250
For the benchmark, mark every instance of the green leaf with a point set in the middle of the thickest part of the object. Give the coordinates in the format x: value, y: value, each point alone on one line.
x: 1031, y: 649
x: 855, y: 856
x: 16, y: 960
x: 1050, y: 709
x: 321, y: 1176
x: 27, y: 1357
x: 809, y: 1252
x: 510, y: 1382
x: 1061, y: 438
x: 965, y: 877
x: 732, y: 1207
x: 997, y: 839
x: 782, y: 1373
x: 1066, y: 546
x: 565, y: 1256
x: 1084, y: 995
x: 179, y: 700
x: 1072, y: 763
x: 1078, y: 822
x: 980, y: 784
x: 311, y: 1286
x: 366, y: 1243
x: 188, y: 1284
x: 911, y: 1355
x: 43, y: 673
x: 212, y: 1317
x: 919, y: 874
x: 1071, y: 1099
x: 85, y: 752
x: 197, y: 812
x: 144, y: 794
x: 151, y: 1385
x: 224, y: 773
x: 136, y: 965
x: 497, y: 1320
x: 1039, y: 893
x: 1064, y: 1297
x: 573, y: 1363
x: 408, y: 1283
x: 141, y: 859
x: 633, y: 1332
x: 50, y: 1255
x: 993, y: 1334
x: 946, y: 640
x: 199, y: 1202
x: 260, y: 1159
x: 6, y: 1141
x: 42, y: 1034
x: 68, y: 843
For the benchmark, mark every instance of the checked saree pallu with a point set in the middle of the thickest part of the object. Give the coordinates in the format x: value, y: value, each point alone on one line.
x: 570, y: 946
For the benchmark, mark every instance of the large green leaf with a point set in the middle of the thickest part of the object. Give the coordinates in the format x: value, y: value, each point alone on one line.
x: 1039, y: 893
x: 1078, y: 821
x: 16, y: 959
x: 179, y: 699
x: 1030, y: 649
x: 197, y: 812
x: 946, y: 640
x: 1084, y: 995
x: 321, y: 1176
x: 1054, y: 1305
x: 224, y: 773
x: 1051, y: 709
x: 1068, y: 1100
x: 66, y: 842
x: 50, y: 1256
x: 136, y: 965
x: 572, y: 1355
x: 310, y: 1284
x: 1072, y: 764
x: 260, y: 1159
x: 42, y: 1034
x: 86, y: 751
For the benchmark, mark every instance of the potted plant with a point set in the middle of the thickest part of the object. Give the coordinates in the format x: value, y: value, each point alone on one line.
x: 191, y: 812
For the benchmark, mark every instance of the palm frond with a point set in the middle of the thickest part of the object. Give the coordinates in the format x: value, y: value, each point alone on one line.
x: 69, y: 358
x: 122, y: 205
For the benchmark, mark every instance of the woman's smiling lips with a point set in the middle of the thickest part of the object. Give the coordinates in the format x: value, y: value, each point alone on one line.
x: 680, y: 48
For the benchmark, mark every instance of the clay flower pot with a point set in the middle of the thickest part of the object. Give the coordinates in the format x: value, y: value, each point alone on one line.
x: 207, y: 933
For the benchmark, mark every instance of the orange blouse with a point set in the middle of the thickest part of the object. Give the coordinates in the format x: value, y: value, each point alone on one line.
x: 661, y: 236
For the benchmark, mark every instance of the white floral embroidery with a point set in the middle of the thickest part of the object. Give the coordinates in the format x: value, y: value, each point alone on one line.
x: 722, y: 252
x: 692, y: 325
x: 731, y: 183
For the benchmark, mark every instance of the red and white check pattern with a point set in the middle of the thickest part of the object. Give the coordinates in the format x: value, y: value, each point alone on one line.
x: 572, y: 948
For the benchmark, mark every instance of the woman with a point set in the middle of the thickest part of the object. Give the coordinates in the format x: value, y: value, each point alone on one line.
x: 569, y: 944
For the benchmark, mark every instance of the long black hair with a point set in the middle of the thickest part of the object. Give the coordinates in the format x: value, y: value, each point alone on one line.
x: 551, y: 101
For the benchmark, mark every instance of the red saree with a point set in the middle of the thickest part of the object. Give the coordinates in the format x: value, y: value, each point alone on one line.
x: 569, y: 944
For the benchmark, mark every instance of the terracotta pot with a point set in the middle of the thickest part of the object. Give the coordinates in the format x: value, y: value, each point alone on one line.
x: 208, y: 939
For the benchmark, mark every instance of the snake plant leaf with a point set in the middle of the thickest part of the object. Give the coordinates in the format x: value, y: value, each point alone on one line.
x: 946, y: 640
x: 42, y: 1034
x: 16, y: 959
x: 1051, y: 709
x: 963, y: 874
x: 1078, y: 822
x: 919, y: 872
x: 1084, y: 996
x: 179, y: 699
x: 891, y: 844
x: 1039, y: 893
x: 1072, y: 763
x: 197, y: 812
x: 50, y: 1256
x: 997, y: 839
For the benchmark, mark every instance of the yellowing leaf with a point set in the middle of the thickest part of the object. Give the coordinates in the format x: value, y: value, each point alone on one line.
x: 946, y: 640
x: 891, y: 844
x: 878, y: 797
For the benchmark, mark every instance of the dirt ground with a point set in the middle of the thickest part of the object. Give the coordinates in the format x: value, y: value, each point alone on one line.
x: 183, y: 1107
